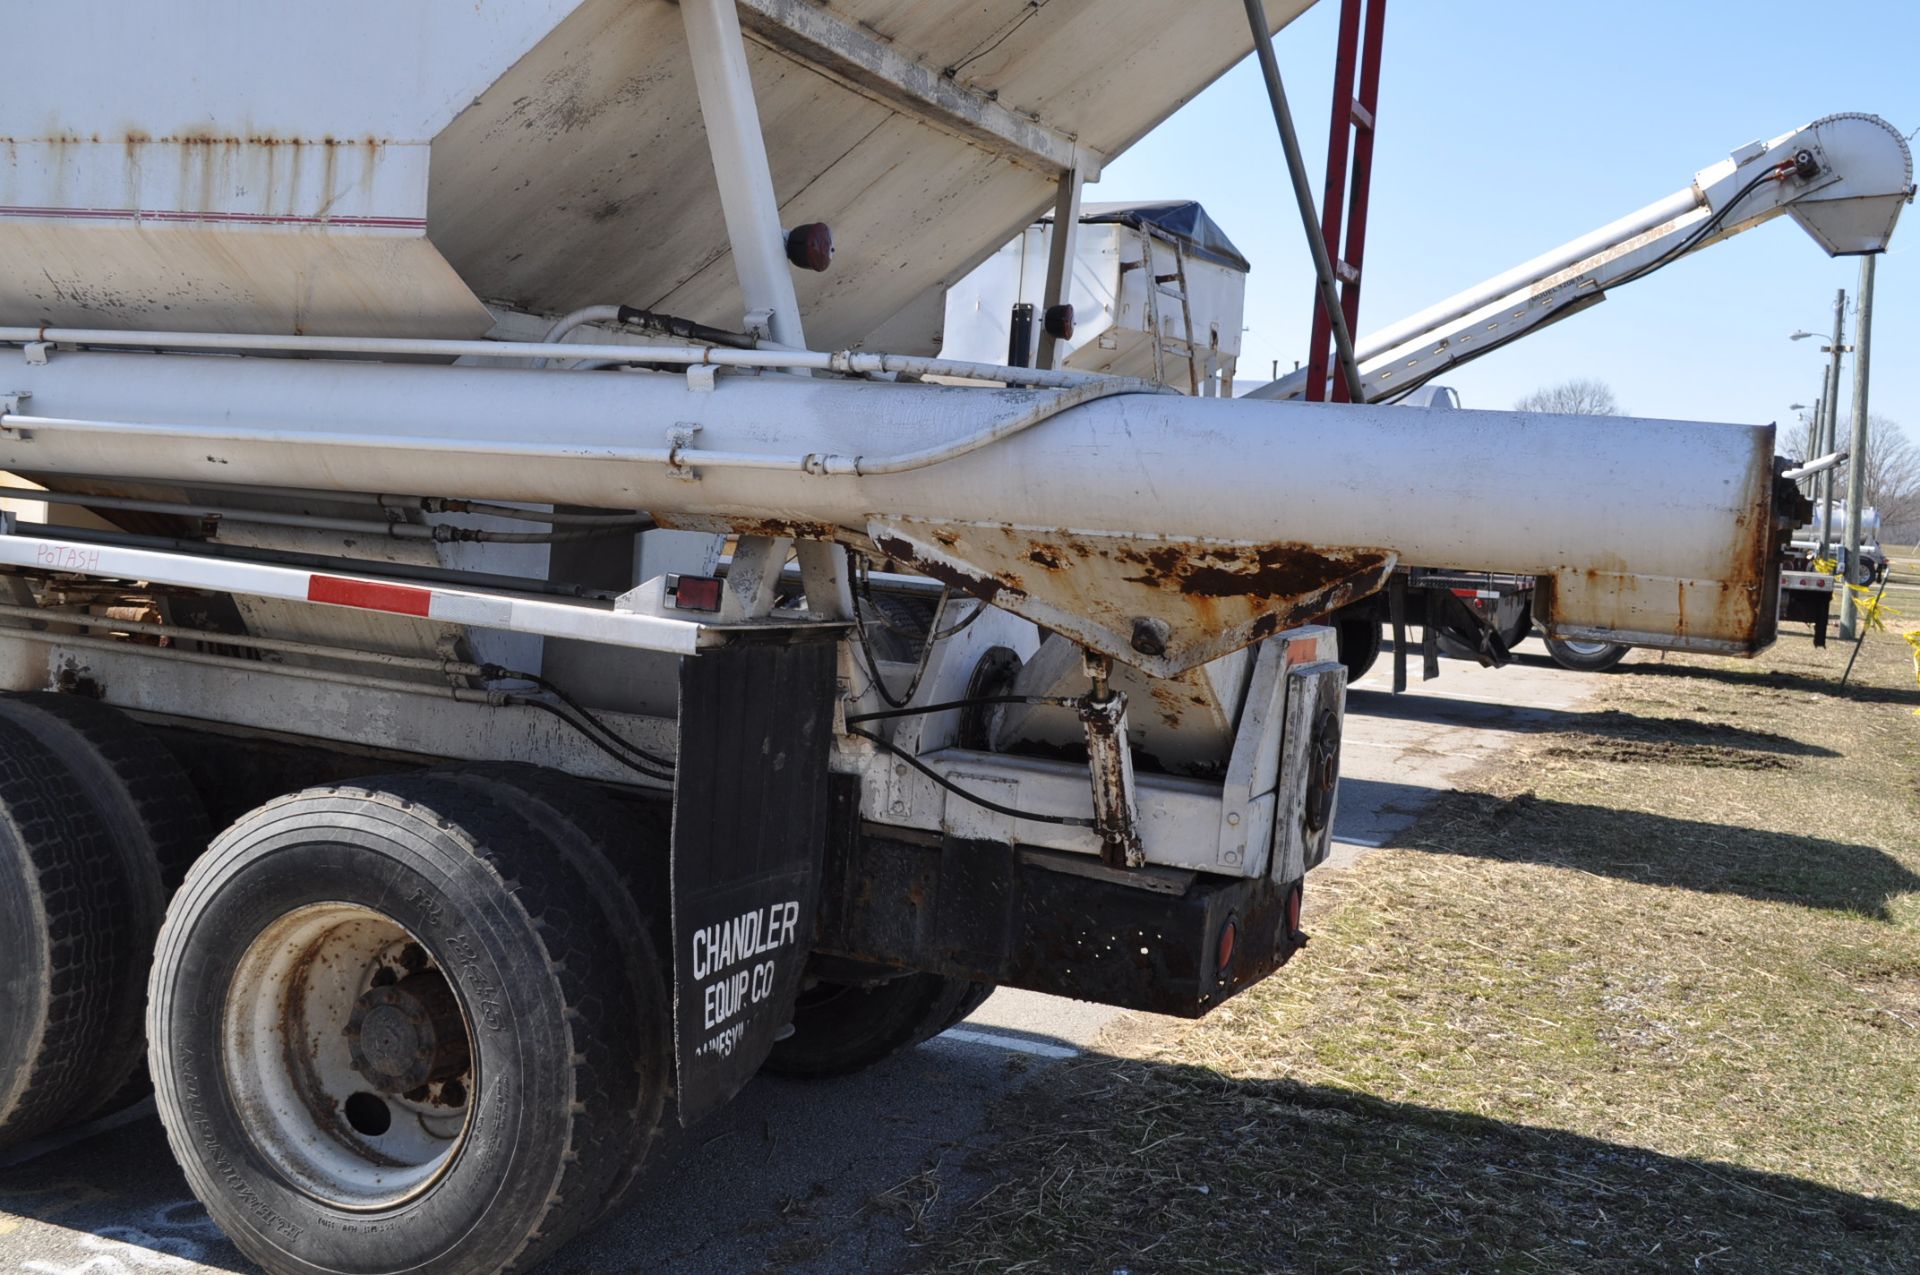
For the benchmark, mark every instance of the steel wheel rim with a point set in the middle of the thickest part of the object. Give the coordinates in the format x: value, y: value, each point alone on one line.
x: 296, y: 1006
x: 1588, y: 649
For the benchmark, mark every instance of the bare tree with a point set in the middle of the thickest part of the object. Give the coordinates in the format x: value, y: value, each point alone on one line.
x: 1893, y: 479
x: 1809, y: 434
x: 1581, y: 396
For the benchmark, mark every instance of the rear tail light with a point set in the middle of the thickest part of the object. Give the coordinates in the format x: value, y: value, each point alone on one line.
x: 697, y: 593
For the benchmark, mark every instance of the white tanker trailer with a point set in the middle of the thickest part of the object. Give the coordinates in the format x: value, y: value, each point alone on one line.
x: 618, y: 661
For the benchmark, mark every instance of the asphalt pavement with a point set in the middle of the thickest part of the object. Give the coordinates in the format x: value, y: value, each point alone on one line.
x: 806, y: 1178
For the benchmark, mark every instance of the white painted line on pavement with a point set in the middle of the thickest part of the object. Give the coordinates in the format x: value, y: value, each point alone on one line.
x: 1015, y: 1043
x: 1364, y: 843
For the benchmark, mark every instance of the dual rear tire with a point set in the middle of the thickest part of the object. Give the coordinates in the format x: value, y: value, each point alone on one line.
x: 439, y: 1017
x: 415, y: 1022
x: 97, y: 826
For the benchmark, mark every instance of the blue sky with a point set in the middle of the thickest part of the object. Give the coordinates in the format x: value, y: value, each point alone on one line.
x: 1510, y: 126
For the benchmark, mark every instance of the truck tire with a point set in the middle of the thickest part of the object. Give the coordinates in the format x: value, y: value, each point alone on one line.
x: 455, y: 1095
x: 841, y: 1028
x: 623, y: 860
x: 62, y: 938
x: 1361, y: 637
x: 156, y: 829
x: 1586, y: 657
x: 976, y: 996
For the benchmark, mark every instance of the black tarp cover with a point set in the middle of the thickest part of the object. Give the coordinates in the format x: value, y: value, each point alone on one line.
x: 1199, y: 234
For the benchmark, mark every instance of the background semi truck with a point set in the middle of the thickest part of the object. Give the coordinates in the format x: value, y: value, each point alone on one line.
x: 459, y: 714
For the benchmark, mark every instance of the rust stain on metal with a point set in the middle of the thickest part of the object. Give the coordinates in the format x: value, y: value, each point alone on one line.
x: 781, y: 528
x: 1109, y: 762
x: 1282, y: 570
x: 1046, y: 556
x: 987, y: 588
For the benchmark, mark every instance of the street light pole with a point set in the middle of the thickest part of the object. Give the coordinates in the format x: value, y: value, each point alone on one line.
x: 1832, y: 431
x: 1857, y: 458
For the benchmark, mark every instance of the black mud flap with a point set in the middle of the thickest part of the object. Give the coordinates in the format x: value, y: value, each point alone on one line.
x: 749, y: 837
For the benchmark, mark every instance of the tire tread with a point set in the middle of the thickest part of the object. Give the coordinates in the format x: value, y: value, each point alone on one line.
x: 67, y: 860
x: 557, y: 911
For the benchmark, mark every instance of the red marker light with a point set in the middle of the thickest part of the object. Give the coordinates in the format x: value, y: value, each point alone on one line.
x: 697, y: 593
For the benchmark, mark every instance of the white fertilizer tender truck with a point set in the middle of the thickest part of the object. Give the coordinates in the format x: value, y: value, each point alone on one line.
x: 510, y: 627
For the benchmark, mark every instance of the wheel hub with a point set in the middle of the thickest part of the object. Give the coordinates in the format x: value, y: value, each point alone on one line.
x: 408, y: 1034
x: 1323, y: 768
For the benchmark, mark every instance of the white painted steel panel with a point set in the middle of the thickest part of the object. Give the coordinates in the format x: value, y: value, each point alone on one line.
x: 237, y: 165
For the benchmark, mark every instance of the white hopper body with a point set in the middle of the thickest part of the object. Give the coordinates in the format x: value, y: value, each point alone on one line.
x: 365, y: 168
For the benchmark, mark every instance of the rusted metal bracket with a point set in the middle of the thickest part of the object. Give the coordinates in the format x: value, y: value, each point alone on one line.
x: 1103, y: 714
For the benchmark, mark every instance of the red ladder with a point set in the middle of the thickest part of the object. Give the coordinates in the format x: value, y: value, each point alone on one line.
x: 1347, y: 186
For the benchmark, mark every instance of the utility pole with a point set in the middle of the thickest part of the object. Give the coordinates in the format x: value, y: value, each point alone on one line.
x: 1832, y: 431
x: 1816, y: 435
x: 1857, y: 460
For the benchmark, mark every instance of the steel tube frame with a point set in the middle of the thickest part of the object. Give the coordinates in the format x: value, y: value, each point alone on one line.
x: 747, y: 198
x: 1062, y: 248
x: 1303, y: 196
x: 247, y: 641
x: 1831, y: 428
x: 502, y: 611
x: 1857, y: 466
x: 846, y: 362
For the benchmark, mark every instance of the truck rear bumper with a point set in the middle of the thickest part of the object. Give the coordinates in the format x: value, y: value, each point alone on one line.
x: 1167, y: 942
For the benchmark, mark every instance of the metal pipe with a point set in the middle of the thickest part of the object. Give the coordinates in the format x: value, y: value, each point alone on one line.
x: 1857, y: 471
x: 566, y: 323
x: 904, y: 462
x: 388, y: 501
x: 1819, y: 465
x: 846, y: 362
x: 1303, y: 196
x: 426, y: 664
x: 451, y: 576
x: 747, y: 201
x: 1128, y: 468
x: 821, y: 464
x: 465, y: 695
x: 439, y: 532
x: 1061, y: 251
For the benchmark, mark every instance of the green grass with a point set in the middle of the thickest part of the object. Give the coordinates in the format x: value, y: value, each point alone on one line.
x: 1644, y: 996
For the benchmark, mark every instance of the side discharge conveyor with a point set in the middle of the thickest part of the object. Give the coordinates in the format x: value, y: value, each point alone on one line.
x: 1160, y: 530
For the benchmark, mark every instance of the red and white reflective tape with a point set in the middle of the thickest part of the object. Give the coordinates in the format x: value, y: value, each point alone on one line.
x: 589, y: 622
